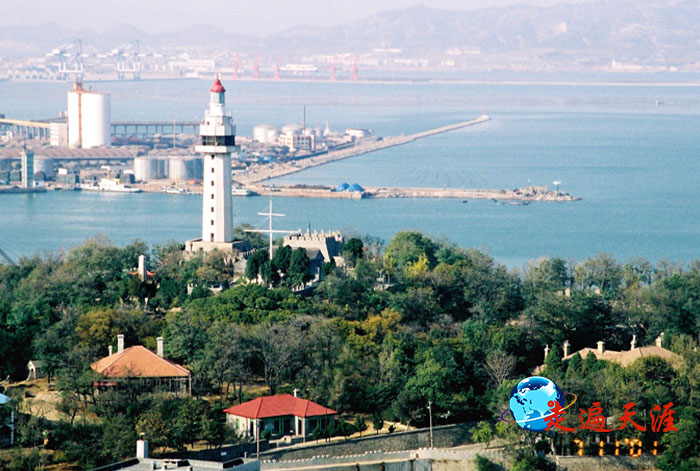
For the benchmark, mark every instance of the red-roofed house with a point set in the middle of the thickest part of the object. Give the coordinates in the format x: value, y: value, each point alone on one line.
x: 282, y: 414
x: 140, y: 362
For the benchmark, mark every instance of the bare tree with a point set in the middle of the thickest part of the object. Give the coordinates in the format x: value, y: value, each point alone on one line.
x: 499, y: 366
x: 279, y: 348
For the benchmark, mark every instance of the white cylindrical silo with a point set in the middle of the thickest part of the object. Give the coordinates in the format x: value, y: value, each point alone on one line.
x: 265, y: 133
x: 89, y: 118
x: 292, y: 129
x: 75, y: 129
x: 45, y: 165
x: 146, y: 169
x: 97, y: 122
x: 178, y: 169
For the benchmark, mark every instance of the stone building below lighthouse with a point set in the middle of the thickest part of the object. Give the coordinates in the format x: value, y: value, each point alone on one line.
x: 218, y: 142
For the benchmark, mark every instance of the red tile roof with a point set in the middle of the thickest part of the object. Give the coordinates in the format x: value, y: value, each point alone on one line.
x: 277, y: 406
x: 138, y: 361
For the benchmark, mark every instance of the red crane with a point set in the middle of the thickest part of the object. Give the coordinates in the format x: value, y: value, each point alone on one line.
x: 256, y: 67
x: 335, y: 59
x: 235, y: 66
x: 354, y: 70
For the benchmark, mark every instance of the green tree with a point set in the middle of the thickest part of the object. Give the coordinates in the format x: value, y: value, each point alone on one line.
x: 298, y: 268
x: 360, y: 424
x: 255, y: 262
x: 407, y: 247
x: 483, y: 433
x: 282, y: 258
x: 353, y: 250
x: 602, y: 273
x: 377, y: 422
x: 682, y: 447
x: 257, y: 240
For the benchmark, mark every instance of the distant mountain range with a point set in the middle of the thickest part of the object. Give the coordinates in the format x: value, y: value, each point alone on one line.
x: 662, y: 32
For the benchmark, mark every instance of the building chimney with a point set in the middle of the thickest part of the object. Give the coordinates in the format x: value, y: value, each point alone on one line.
x: 659, y: 339
x: 567, y: 345
x: 159, y: 351
x: 633, y: 343
x: 109, y: 349
x: 296, y: 392
x: 120, y: 343
x: 546, y: 352
x: 601, y: 347
x: 142, y: 267
x: 142, y: 449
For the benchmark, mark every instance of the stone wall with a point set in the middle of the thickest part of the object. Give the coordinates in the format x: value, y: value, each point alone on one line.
x: 443, y: 437
x: 596, y: 463
x: 413, y: 460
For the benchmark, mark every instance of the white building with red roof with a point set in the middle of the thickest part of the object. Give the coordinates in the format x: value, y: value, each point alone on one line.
x: 282, y: 414
x: 139, y: 362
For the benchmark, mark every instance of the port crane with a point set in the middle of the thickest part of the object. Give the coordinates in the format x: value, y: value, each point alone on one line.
x: 256, y: 67
x: 354, y: 71
x: 128, y: 59
x: 335, y: 60
x: 7, y: 258
x: 236, y: 65
x: 70, y: 60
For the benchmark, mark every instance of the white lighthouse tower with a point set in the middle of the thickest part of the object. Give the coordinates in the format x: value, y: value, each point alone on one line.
x: 218, y: 141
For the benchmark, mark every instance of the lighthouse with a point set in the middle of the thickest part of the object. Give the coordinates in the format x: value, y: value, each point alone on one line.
x: 218, y: 141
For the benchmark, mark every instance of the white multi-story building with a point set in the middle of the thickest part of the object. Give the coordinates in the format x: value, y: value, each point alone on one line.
x: 218, y: 142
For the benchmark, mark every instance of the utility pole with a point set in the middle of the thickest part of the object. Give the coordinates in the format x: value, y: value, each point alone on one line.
x: 257, y: 439
x: 430, y: 414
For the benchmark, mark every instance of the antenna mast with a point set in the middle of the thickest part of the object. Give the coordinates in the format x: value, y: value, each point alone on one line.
x: 270, y: 231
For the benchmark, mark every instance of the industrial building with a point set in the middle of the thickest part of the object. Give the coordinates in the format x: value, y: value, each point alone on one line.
x: 89, y: 118
x: 297, y: 138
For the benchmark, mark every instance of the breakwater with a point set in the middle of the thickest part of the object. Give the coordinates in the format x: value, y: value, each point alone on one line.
x: 506, y: 196
x: 260, y: 173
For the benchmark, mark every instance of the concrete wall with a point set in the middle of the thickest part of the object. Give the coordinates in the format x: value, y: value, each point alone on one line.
x: 444, y: 436
x: 424, y: 458
x: 597, y: 463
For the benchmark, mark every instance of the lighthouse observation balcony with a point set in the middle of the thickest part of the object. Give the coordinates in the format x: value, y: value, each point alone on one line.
x: 218, y: 141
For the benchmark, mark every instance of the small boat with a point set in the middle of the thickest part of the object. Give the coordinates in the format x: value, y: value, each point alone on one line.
x: 240, y: 191
x: 173, y: 190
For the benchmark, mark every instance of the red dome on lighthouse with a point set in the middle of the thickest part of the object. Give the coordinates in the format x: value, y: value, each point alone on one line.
x: 217, y: 87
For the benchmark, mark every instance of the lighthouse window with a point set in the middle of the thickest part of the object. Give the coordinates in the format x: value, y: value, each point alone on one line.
x: 212, y: 170
x: 212, y: 209
x: 212, y: 183
x: 218, y: 141
x: 211, y: 238
x: 212, y: 222
x: 212, y: 196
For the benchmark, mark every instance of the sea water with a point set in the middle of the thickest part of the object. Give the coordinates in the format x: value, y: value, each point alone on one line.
x: 630, y: 152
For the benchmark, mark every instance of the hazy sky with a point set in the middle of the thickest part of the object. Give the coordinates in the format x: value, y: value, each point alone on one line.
x: 260, y: 17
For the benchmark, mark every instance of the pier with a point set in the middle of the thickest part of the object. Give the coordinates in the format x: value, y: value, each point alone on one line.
x: 264, y: 172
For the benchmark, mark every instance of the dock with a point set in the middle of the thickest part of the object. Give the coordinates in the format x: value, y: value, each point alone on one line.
x: 264, y: 172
